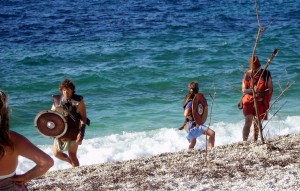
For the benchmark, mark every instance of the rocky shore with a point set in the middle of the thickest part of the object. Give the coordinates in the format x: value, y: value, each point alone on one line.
x: 239, y: 166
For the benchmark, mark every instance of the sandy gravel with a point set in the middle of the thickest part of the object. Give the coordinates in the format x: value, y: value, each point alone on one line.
x: 239, y: 166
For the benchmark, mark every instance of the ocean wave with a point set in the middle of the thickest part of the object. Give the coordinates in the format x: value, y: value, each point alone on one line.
x: 132, y: 145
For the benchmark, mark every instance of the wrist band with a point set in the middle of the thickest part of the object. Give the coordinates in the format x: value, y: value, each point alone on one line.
x: 82, y: 130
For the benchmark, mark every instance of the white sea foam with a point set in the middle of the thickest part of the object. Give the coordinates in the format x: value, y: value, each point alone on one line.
x: 132, y: 145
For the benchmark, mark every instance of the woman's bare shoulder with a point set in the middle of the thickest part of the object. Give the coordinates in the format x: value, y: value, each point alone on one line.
x: 14, y: 135
x: 17, y: 138
x: 22, y: 145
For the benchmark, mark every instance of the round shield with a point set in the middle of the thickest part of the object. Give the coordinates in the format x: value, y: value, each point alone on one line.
x: 51, y: 123
x: 199, y: 109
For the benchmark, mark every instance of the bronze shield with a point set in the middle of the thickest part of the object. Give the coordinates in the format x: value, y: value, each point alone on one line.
x: 51, y: 123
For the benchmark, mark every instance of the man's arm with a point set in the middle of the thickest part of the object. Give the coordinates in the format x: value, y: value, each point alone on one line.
x: 82, y: 112
x: 270, y: 85
x: 83, y: 121
x: 246, y: 90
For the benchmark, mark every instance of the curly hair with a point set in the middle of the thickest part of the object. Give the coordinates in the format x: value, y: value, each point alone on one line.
x: 4, y: 124
x: 193, y: 90
x: 67, y: 83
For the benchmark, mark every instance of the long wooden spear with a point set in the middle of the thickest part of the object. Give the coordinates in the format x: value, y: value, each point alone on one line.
x: 275, y: 52
x: 211, y: 107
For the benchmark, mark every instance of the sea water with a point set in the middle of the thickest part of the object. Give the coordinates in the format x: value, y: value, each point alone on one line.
x: 132, y: 62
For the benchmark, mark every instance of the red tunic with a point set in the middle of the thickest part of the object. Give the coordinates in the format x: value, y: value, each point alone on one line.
x: 263, y: 99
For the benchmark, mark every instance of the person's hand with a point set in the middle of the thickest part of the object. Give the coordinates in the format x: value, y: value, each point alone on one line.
x: 79, y: 139
x: 248, y: 91
x: 81, y: 134
x: 255, y: 88
x: 19, y: 179
x: 263, y: 93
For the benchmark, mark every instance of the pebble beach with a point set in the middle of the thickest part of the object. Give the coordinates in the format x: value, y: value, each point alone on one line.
x: 274, y: 165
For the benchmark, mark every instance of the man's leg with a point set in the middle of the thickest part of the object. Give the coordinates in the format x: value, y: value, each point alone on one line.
x: 192, y: 143
x: 73, y: 154
x: 247, y: 126
x: 211, y: 139
x: 60, y: 155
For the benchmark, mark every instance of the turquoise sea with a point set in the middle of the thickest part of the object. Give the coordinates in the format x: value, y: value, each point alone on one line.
x: 132, y: 61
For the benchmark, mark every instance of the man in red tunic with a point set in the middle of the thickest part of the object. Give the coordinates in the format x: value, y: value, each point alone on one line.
x: 261, y: 81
